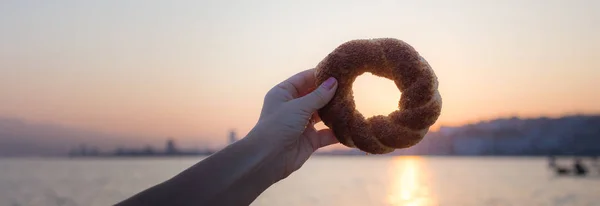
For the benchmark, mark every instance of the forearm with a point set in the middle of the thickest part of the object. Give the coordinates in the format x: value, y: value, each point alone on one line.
x: 235, y: 175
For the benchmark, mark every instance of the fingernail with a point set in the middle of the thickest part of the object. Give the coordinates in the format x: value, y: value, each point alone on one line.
x: 329, y: 83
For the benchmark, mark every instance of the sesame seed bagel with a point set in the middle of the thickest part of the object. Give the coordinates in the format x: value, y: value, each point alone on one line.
x: 419, y: 106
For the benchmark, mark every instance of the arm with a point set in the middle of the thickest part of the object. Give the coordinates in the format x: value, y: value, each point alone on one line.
x: 240, y: 171
x: 278, y: 145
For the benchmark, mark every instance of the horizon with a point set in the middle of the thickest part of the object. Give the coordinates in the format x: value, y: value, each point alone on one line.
x: 147, y: 70
x: 158, y: 144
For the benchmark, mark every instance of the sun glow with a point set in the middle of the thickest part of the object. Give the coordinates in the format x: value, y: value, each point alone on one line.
x: 409, y: 185
x: 375, y: 95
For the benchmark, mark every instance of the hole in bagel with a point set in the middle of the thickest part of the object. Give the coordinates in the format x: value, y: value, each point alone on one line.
x: 375, y: 95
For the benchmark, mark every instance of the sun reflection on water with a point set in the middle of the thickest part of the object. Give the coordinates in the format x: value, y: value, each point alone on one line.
x: 409, y: 184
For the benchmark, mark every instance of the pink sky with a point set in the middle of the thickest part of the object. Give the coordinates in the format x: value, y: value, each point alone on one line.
x: 195, y: 69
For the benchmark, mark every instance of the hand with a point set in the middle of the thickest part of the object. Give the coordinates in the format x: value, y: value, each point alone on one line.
x: 288, y: 116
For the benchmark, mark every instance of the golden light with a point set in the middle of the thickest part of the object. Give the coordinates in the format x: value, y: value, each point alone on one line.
x: 375, y: 95
x: 408, y: 186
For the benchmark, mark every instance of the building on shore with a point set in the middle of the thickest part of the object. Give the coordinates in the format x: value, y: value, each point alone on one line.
x: 170, y: 147
x: 232, y: 136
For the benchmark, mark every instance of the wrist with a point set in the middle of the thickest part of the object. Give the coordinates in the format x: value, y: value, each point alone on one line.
x: 259, y: 171
x: 269, y: 153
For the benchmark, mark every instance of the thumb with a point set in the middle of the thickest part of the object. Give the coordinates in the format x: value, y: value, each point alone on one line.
x: 319, y: 97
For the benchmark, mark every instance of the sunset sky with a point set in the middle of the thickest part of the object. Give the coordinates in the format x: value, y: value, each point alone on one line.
x: 195, y: 69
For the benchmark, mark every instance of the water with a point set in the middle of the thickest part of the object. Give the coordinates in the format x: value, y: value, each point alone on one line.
x: 369, y: 180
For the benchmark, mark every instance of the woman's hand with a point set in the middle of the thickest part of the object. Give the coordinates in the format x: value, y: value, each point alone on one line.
x: 288, y: 116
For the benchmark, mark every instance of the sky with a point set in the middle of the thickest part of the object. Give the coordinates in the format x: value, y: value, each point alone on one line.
x: 196, y: 69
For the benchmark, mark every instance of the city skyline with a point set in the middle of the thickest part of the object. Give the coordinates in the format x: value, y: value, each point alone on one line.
x: 548, y: 131
x: 569, y: 135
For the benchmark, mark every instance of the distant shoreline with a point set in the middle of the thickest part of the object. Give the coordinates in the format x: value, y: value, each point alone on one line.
x: 314, y: 156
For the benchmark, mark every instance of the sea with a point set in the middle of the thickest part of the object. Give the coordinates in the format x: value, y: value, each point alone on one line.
x: 323, y: 180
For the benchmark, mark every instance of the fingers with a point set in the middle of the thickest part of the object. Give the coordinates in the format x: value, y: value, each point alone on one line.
x: 317, y: 98
x: 321, y: 139
x: 299, y: 84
